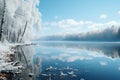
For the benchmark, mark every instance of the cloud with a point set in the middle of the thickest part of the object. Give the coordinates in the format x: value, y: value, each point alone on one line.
x: 103, y: 16
x: 103, y: 63
x: 56, y: 17
x: 119, y: 12
x: 65, y: 23
x: 71, y: 23
x: 71, y: 26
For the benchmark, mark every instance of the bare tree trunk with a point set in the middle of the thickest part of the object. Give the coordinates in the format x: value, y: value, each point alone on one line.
x: 9, y: 36
x: 2, y: 21
x: 19, y: 33
x: 10, y: 33
x: 7, y: 33
x: 23, y: 32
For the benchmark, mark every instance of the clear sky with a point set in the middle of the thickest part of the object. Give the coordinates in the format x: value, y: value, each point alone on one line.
x: 76, y: 16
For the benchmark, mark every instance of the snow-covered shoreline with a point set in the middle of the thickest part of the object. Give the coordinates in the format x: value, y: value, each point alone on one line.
x: 19, y: 22
x: 7, y: 63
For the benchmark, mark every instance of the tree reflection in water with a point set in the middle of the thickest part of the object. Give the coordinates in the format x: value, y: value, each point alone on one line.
x: 25, y: 54
x: 109, y: 49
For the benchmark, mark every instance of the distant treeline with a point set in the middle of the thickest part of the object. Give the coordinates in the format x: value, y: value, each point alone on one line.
x: 109, y: 34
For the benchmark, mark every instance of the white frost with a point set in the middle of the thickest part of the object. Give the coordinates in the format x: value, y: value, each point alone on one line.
x: 17, y: 14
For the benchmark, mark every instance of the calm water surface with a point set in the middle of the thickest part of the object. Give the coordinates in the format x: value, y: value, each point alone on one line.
x: 79, y: 61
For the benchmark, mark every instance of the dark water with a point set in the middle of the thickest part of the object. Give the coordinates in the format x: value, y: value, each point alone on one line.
x: 79, y: 61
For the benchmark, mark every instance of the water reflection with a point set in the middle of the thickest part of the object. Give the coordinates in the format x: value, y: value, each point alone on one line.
x: 94, y: 61
x: 109, y: 49
x: 24, y: 55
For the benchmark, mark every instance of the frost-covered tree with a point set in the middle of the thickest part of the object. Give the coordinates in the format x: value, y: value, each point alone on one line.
x: 18, y: 20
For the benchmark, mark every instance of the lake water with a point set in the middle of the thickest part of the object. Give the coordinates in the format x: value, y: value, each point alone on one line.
x: 79, y: 61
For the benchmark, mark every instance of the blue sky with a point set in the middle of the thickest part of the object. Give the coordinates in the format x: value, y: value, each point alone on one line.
x: 76, y: 16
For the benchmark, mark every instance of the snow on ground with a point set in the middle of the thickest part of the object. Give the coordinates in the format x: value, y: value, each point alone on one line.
x: 5, y: 57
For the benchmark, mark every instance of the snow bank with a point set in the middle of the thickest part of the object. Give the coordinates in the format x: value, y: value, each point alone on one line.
x: 5, y: 57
